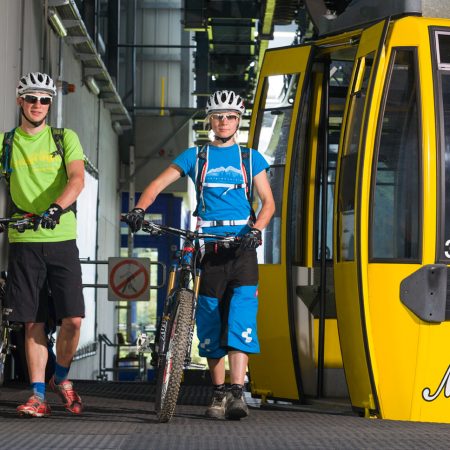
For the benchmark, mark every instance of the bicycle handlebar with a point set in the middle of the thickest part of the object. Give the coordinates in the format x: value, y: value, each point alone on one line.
x: 153, y: 228
x: 157, y: 229
x: 25, y: 222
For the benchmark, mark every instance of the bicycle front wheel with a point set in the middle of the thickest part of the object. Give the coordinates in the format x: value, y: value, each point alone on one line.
x: 4, y: 333
x: 171, y: 365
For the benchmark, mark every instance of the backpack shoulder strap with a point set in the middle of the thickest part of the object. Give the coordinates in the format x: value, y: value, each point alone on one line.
x: 8, y: 139
x: 200, y: 166
x: 58, y: 137
x: 246, y: 158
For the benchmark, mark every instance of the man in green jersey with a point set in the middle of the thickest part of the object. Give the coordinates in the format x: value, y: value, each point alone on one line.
x: 46, y: 182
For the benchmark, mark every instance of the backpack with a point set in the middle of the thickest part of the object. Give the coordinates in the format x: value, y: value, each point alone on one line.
x: 8, y: 139
x: 246, y: 170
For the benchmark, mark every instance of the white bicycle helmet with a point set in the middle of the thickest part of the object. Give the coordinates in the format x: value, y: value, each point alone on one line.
x: 225, y: 101
x: 36, y: 82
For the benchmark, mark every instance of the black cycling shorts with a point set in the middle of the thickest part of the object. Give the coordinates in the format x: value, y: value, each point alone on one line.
x: 38, y: 271
x: 225, y: 269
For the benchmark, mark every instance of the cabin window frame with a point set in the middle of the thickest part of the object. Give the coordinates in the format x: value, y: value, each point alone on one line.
x: 438, y: 71
x: 270, y: 251
x: 417, y: 257
x: 353, y: 133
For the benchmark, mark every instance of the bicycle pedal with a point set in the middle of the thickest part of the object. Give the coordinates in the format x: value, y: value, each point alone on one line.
x: 7, y: 311
x: 154, y: 361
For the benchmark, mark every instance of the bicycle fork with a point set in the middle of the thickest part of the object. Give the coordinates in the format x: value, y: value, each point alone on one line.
x: 160, y: 335
x: 166, y: 318
x: 187, y: 359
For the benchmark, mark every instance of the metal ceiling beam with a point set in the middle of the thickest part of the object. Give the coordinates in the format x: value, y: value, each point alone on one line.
x: 84, y: 46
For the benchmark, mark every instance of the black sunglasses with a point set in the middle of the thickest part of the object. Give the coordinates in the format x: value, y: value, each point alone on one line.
x: 33, y: 99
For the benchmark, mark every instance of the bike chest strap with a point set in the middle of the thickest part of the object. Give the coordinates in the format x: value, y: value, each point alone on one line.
x: 8, y: 139
x: 201, y: 169
x: 221, y: 223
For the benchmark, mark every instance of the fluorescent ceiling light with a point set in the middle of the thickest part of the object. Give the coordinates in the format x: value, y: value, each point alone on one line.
x: 117, y: 127
x: 56, y: 23
x: 92, y: 85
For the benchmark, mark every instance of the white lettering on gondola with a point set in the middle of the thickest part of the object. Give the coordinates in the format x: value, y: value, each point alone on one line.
x: 444, y: 386
x: 447, y: 248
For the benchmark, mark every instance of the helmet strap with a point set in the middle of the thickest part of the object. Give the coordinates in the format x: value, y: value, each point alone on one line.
x: 224, y: 139
x: 35, y: 124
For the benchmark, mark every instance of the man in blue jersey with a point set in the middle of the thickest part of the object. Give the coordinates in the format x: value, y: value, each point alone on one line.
x: 224, y: 173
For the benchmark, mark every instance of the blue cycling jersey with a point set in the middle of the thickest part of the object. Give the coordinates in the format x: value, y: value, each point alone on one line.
x: 223, y: 167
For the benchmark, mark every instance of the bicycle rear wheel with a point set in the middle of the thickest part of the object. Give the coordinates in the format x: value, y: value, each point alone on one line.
x: 2, y: 368
x: 171, y: 365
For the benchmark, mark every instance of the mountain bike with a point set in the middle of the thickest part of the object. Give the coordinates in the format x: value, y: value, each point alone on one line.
x: 20, y: 224
x: 173, y: 340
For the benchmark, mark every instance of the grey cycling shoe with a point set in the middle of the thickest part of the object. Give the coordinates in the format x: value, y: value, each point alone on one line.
x: 235, y: 407
x: 217, y: 408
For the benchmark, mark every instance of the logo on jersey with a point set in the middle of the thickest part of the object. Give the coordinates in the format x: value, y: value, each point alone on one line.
x: 230, y: 174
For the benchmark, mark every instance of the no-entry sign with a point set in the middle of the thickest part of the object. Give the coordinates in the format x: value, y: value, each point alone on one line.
x: 129, y: 279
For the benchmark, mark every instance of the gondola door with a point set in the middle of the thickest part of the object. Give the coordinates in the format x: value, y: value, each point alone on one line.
x: 275, y: 372
x: 350, y: 257
x: 408, y: 327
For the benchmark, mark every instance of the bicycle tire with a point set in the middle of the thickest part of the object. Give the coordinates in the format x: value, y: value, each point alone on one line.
x: 4, y: 334
x: 3, y: 350
x: 2, y: 368
x: 172, y: 364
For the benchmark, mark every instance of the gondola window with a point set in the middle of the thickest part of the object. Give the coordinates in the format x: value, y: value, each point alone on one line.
x: 396, y: 205
x: 271, y: 139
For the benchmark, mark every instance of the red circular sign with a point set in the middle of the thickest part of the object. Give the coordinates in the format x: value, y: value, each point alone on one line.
x: 136, y: 274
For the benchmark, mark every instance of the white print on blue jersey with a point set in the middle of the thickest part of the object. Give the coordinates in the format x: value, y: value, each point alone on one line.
x: 223, y: 166
x: 222, y: 174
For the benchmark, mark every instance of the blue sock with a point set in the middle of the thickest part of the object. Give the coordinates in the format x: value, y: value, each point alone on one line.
x: 38, y: 389
x: 61, y: 373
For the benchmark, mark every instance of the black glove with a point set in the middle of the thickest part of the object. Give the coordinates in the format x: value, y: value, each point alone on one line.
x: 252, y: 239
x: 2, y: 227
x: 50, y: 218
x: 135, y: 218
